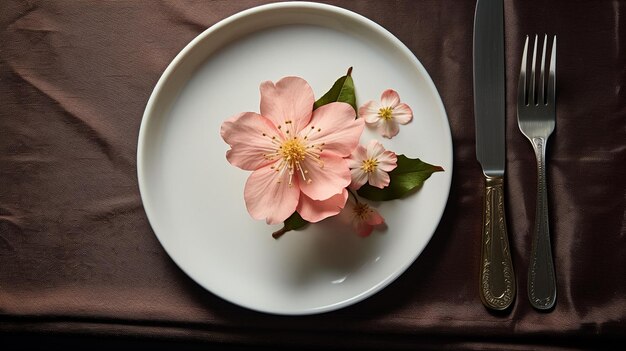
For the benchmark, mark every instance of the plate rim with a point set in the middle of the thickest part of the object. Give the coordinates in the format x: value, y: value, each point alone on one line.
x: 281, y: 6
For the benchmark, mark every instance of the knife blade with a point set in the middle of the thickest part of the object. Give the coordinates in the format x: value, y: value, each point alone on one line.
x: 497, y: 279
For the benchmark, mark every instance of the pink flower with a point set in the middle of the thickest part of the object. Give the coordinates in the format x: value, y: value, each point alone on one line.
x: 386, y: 115
x: 371, y: 165
x: 364, y: 218
x: 296, y: 154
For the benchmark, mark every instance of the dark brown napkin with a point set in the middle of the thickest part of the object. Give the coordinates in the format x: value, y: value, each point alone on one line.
x: 78, y: 257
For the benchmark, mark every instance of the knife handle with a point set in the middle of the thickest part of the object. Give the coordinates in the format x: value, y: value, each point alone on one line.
x: 497, y: 280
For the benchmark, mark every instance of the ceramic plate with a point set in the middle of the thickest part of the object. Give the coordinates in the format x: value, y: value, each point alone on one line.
x: 194, y: 198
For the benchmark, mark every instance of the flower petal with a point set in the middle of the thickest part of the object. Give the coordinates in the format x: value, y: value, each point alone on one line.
x: 290, y: 99
x: 388, y: 128
x: 335, y: 126
x: 359, y: 177
x: 389, y: 98
x: 362, y: 228
x: 379, y: 179
x: 314, y: 211
x: 369, y: 111
x: 355, y: 160
x: 267, y: 198
x: 374, y: 218
x: 327, y: 176
x: 365, y: 226
x: 402, y: 113
x: 387, y: 161
x: 374, y: 148
x: 250, y: 138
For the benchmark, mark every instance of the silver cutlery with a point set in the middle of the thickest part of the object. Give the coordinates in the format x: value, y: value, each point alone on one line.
x: 497, y: 279
x: 536, y: 108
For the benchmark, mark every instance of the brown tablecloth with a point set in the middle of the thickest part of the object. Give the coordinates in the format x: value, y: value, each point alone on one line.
x: 78, y: 257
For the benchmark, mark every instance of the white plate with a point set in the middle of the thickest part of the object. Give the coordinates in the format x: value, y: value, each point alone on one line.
x: 194, y: 198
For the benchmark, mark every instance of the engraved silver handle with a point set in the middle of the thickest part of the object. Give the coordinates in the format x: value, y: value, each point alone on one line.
x: 541, y: 277
x: 497, y: 280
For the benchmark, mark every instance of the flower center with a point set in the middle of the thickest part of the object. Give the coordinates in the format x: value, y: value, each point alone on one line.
x: 369, y: 166
x: 292, y: 151
x: 361, y: 211
x: 385, y: 113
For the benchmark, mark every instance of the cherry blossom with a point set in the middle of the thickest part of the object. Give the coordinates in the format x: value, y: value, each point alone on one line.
x: 296, y: 155
x: 371, y: 165
x: 386, y: 114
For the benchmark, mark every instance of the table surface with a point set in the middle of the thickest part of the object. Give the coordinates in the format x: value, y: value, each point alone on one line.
x: 78, y: 258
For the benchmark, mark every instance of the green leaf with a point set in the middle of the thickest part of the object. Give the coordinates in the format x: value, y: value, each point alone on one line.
x: 292, y: 223
x: 409, y: 175
x: 342, y: 91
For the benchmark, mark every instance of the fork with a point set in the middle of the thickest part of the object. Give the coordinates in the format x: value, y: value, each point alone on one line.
x: 536, y: 115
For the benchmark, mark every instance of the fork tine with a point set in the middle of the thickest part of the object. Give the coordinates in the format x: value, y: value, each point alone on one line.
x: 542, y: 82
x: 531, y: 96
x: 521, y: 86
x: 552, y: 75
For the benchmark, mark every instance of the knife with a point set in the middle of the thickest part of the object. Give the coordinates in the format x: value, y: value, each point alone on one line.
x: 497, y: 279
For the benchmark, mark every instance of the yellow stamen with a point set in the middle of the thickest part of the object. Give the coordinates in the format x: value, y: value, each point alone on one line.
x: 369, y: 166
x: 385, y: 113
x: 293, y: 152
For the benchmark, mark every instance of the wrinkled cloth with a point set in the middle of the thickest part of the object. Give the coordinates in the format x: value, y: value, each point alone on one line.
x: 78, y: 256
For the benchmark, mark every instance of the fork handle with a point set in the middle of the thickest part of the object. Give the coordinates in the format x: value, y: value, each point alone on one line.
x: 541, y: 277
x: 497, y: 280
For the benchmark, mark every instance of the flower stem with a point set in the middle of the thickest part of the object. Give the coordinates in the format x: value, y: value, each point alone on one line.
x: 353, y: 195
x: 277, y: 234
